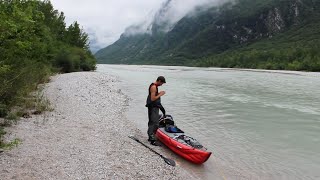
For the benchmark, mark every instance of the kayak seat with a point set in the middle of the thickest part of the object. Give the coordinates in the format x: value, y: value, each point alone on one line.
x: 172, y: 129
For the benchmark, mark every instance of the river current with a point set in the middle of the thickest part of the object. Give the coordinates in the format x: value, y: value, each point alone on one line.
x: 258, y: 124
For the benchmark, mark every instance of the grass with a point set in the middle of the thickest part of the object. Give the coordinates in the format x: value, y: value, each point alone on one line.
x: 10, y: 145
x: 34, y: 104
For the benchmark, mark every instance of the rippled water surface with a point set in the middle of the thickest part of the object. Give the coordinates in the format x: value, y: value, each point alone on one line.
x: 259, y: 125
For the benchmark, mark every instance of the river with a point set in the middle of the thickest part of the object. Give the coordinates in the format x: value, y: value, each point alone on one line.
x: 258, y: 124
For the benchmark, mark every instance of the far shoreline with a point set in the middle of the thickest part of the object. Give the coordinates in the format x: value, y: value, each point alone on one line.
x: 173, y: 67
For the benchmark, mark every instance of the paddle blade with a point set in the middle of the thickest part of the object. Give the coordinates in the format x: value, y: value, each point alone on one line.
x: 169, y: 161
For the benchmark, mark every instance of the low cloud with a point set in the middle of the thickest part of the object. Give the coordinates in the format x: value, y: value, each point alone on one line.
x: 177, y: 9
x: 105, y: 21
x: 170, y: 12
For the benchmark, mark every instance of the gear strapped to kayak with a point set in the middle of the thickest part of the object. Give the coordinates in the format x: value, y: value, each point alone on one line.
x: 182, y: 144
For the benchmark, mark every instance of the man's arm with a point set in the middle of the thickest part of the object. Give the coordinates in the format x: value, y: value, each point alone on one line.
x: 153, y: 91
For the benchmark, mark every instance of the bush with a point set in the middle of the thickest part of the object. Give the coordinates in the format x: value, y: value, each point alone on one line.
x: 75, y: 59
x: 3, y: 110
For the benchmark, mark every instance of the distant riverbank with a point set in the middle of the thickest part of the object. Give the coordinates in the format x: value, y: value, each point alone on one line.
x: 85, y: 137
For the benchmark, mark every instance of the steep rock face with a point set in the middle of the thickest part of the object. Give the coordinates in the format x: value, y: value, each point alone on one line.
x: 275, y: 22
x: 215, y: 31
x: 264, y: 24
x: 209, y: 32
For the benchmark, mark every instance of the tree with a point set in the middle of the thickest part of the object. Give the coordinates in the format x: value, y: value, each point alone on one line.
x: 77, y: 37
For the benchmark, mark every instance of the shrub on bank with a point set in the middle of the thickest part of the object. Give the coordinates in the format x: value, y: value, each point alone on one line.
x: 75, y: 59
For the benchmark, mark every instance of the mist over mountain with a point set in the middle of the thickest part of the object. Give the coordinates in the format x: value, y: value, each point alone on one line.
x: 169, y: 14
x: 268, y: 34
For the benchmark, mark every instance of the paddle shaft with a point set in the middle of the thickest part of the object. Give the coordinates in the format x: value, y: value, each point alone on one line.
x: 145, y: 146
x: 168, y: 161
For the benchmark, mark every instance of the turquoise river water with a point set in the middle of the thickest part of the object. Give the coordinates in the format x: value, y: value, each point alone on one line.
x: 258, y: 124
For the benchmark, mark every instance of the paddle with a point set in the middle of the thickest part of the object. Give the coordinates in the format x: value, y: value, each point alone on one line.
x: 168, y: 161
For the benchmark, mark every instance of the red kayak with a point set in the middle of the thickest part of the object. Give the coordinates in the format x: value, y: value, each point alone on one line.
x: 181, y: 144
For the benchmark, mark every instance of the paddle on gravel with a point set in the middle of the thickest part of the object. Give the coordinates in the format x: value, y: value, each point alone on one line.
x: 168, y: 161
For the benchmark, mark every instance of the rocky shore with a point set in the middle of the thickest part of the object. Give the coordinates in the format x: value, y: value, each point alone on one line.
x: 84, y: 137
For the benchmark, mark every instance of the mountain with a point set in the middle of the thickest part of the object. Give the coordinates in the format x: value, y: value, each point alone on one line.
x: 269, y: 34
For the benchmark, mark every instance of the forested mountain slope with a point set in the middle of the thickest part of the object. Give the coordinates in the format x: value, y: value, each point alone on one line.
x: 268, y: 34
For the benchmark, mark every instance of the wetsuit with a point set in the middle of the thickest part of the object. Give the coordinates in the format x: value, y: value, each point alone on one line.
x: 153, y: 113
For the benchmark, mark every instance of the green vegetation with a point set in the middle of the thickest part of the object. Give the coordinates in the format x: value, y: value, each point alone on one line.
x: 297, y: 49
x: 267, y: 34
x: 34, y: 44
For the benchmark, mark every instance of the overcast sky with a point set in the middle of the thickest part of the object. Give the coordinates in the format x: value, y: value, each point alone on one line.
x: 106, y: 20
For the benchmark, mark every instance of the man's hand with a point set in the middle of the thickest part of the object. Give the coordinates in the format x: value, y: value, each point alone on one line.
x: 153, y: 91
x: 161, y: 93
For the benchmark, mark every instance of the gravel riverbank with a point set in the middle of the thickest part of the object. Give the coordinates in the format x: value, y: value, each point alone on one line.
x: 85, y: 137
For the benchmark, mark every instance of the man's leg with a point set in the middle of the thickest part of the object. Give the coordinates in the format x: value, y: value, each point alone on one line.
x: 153, y: 114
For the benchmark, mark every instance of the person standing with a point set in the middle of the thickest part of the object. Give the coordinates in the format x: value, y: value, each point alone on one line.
x: 154, y: 104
